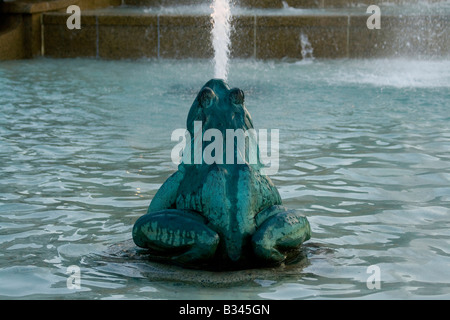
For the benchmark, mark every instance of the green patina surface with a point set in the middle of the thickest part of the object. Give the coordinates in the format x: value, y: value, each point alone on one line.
x: 224, y: 214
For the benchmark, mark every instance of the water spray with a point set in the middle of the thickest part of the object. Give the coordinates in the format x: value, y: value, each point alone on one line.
x: 220, y: 33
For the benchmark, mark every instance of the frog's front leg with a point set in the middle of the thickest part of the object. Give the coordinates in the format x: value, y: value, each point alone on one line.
x: 166, y: 196
x: 278, y: 230
x: 180, y: 236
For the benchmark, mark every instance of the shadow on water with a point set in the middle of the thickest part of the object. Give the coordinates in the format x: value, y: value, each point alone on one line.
x: 124, y: 258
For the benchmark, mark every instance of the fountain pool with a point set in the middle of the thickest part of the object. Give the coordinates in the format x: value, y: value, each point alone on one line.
x: 364, y: 152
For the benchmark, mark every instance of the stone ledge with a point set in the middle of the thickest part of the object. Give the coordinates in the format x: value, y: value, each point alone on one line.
x: 253, y: 36
x: 127, y: 20
x: 130, y: 19
x: 39, y: 6
x: 271, y: 4
x: 302, y: 21
x: 159, y: 3
x: 92, y: 18
x: 60, y: 18
x: 185, y: 21
x: 33, y: 6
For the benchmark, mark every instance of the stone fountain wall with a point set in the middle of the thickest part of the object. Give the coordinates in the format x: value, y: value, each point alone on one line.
x: 32, y: 28
x: 147, y: 35
x: 21, y: 24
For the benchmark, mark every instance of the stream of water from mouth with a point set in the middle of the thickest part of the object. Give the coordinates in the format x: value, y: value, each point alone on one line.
x: 220, y: 34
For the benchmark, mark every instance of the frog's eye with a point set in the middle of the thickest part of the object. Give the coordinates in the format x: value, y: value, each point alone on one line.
x: 206, y: 97
x: 237, y: 96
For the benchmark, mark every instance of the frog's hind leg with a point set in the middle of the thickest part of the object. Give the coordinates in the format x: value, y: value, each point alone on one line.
x: 279, y: 230
x: 179, y: 236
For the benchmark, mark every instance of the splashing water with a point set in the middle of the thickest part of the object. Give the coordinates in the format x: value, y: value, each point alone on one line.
x: 307, y: 49
x: 221, y: 17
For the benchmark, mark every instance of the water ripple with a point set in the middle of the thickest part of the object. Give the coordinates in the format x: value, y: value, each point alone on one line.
x: 367, y: 161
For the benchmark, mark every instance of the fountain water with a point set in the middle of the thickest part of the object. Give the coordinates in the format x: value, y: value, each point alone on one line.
x: 221, y: 17
x: 307, y: 49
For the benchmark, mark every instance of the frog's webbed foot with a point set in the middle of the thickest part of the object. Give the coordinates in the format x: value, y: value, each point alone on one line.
x: 279, y: 230
x: 174, y: 235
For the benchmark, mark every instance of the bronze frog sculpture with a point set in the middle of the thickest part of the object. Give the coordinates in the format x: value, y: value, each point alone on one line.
x: 220, y: 213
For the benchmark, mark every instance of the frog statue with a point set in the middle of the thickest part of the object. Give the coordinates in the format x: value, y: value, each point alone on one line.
x: 221, y: 213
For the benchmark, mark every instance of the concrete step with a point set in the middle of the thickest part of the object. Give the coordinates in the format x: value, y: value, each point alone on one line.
x: 123, y: 33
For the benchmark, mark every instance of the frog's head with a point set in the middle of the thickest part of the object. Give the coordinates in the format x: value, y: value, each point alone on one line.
x: 218, y: 109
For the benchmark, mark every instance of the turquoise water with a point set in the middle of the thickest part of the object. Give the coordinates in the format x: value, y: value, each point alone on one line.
x: 364, y: 152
